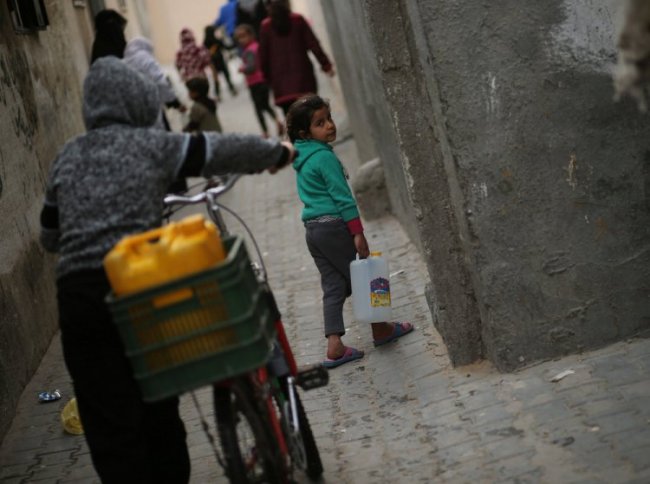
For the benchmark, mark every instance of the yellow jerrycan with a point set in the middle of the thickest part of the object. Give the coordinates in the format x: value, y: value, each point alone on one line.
x: 178, y: 249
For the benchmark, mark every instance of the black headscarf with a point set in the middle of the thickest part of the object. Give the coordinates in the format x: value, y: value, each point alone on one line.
x: 109, y: 35
x: 280, y: 14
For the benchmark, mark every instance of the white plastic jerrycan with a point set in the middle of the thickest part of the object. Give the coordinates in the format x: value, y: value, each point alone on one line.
x: 370, y: 289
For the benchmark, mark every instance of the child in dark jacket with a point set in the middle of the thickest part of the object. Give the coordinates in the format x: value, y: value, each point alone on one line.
x: 103, y: 185
x: 203, y: 113
x: 334, y: 231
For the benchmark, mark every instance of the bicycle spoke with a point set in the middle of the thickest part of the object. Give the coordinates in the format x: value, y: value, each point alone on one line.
x: 246, y: 435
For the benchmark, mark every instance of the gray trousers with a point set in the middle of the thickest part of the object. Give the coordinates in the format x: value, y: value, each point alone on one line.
x: 332, y: 247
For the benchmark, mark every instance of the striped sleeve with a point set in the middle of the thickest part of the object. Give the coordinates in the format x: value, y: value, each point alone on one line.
x: 208, y: 154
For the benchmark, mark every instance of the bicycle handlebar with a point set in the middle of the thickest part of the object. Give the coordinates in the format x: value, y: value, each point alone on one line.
x: 212, y: 193
x: 209, y: 197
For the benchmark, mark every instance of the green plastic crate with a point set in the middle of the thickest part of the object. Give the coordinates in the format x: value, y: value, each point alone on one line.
x: 193, y: 331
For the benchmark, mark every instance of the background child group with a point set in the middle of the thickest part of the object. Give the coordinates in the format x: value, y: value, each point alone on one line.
x: 334, y: 233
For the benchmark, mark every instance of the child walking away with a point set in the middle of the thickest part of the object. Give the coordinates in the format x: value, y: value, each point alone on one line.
x: 245, y: 36
x: 203, y: 114
x: 104, y: 184
x: 334, y: 231
x: 216, y: 47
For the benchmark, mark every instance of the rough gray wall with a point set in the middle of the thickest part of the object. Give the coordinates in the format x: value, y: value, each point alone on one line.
x: 529, y: 184
x: 370, y: 116
x: 554, y: 174
x: 377, y: 49
x: 436, y: 200
x: 39, y: 109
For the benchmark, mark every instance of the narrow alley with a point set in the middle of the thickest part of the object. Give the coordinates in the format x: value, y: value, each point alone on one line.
x: 402, y: 413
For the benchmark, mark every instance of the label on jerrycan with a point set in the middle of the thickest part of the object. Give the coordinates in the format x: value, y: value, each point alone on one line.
x: 380, y: 292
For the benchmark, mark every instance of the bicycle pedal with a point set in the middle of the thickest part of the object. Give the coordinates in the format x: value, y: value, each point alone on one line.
x: 311, y: 377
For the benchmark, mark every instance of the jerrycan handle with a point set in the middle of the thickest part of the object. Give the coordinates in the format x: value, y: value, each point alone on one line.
x: 192, y: 224
x: 133, y: 242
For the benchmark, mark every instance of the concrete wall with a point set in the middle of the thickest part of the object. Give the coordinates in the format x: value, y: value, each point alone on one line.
x: 529, y: 183
x: 386, y: 93
x: 40, y: 108
x: 369, y: 113
x: 41, y: 75
x: 169, y: 17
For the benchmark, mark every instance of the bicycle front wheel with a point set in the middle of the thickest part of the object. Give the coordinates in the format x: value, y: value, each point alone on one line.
x: 302, y: 445
x: 250, y: 452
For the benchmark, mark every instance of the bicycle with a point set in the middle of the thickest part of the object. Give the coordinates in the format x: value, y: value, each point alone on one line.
x: 261, y: 423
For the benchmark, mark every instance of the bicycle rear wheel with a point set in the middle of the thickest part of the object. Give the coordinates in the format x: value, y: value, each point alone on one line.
x: 302, y: 446
x: 250, y: 451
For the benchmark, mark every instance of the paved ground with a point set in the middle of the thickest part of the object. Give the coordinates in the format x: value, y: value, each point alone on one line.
x: 401, y: 413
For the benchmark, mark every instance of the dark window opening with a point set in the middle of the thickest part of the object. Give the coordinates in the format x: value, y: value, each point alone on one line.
x: 28, y: 15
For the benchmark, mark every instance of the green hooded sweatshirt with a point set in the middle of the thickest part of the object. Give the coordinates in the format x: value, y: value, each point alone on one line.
x: 322, y: 184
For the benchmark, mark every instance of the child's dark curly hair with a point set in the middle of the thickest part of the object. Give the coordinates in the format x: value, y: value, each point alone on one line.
x: 300, y: 113
x: 199, y: 85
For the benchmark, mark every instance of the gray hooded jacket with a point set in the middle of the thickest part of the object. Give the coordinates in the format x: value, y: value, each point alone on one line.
x: 138, y: 54
x: 110, y: 181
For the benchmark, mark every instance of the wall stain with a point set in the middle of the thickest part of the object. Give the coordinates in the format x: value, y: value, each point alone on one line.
x: 557, y: 264
x: 505, y: 184
x: 560, y: 334
x: 15, y: 77
x: 580, y: 311
x: 601, y: 228
x: 571, y: 170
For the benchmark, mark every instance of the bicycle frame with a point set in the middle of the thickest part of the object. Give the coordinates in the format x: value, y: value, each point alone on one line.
x: 265, y: 377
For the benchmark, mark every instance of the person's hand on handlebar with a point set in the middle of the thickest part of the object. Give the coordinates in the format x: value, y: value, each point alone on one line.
x: 285, y: 161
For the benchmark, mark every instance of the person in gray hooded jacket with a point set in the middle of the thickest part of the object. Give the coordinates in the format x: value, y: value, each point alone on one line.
x: 139, y: 55
x: 103, y: 185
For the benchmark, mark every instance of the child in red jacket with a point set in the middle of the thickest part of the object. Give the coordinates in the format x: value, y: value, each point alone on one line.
x: 245, y: 36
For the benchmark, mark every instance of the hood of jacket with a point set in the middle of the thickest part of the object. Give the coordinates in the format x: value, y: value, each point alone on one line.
x: 187, y: 37
x: 306, y: 148
x: 114, y: 93
x: 138, y: 45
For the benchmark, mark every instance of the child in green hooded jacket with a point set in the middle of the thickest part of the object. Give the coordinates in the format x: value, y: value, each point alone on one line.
x: 334, y: 231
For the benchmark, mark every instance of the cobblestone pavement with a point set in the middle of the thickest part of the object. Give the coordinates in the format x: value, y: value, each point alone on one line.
x: 401, y: 413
